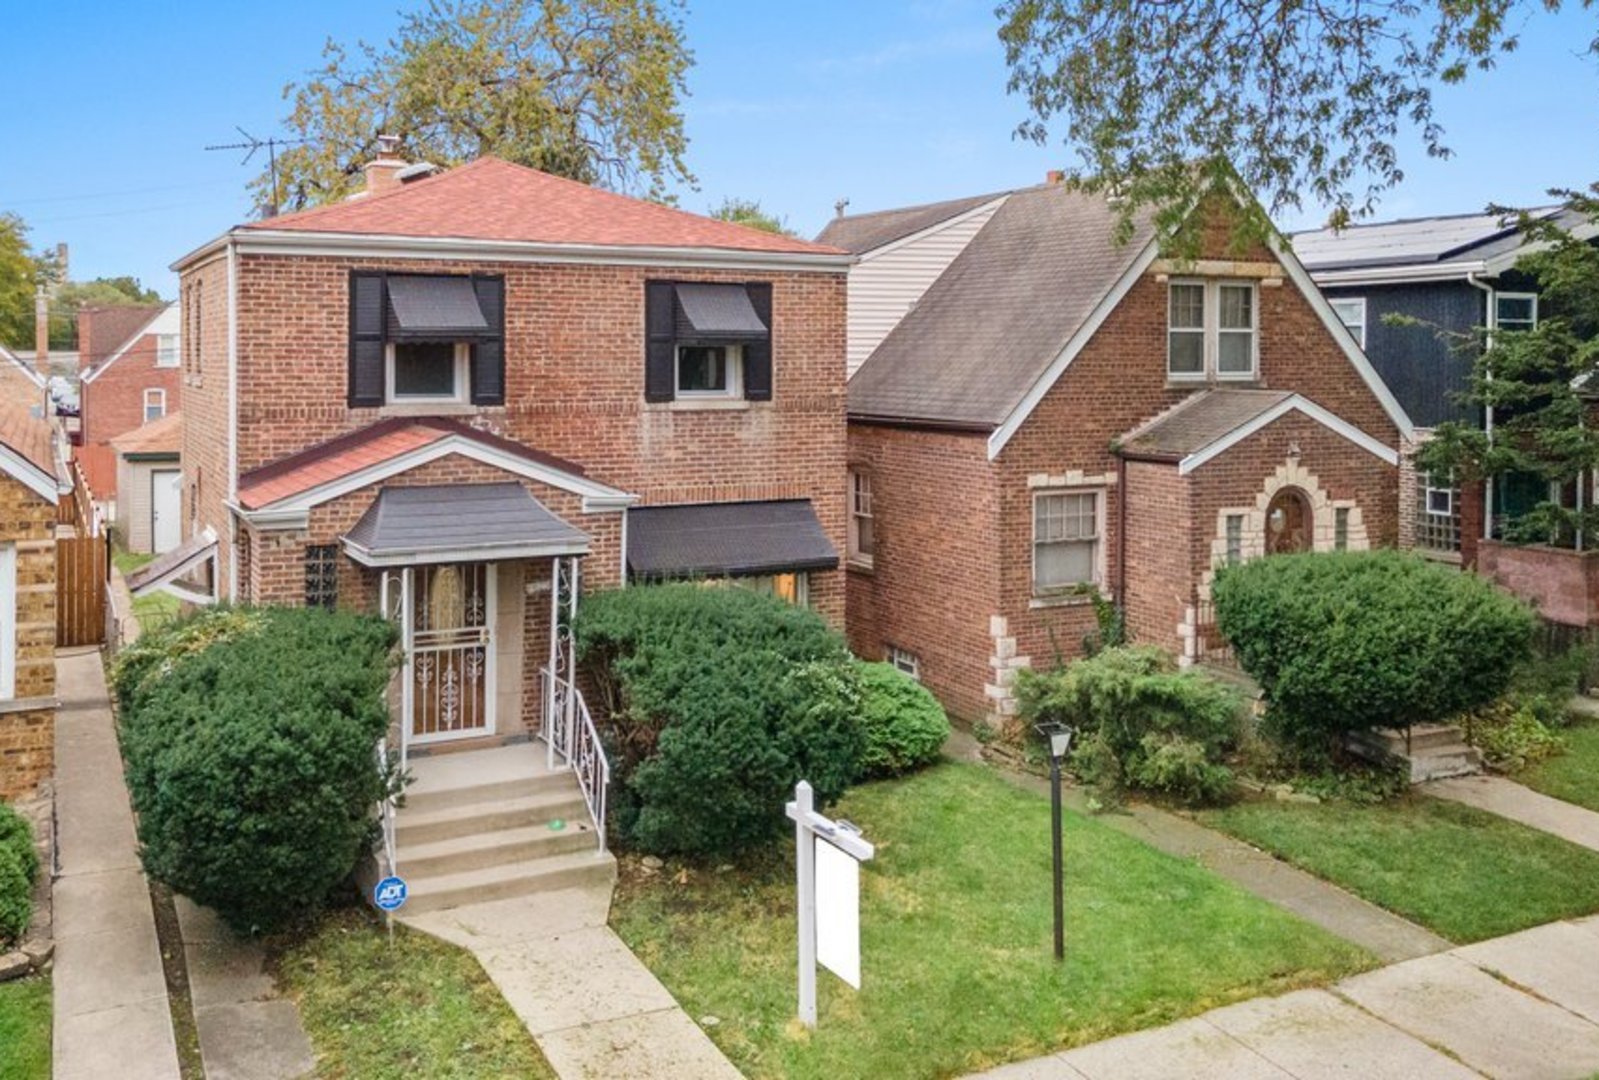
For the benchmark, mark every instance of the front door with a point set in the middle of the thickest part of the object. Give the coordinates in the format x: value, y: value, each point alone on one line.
x: 452, y: 652
x: 166, y: 513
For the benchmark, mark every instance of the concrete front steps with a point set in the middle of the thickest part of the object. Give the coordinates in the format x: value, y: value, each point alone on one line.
x: 480, y: 826
x: 1433, y: 752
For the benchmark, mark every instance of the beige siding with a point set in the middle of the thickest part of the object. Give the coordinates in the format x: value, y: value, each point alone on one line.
x: 133, y: 500
x: 886, y: 283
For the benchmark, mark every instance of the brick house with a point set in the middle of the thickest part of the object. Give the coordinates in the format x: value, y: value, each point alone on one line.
x: 465, y: 397
x: 129, y: 376
x: 1057, y: 418
x: 30, y: 486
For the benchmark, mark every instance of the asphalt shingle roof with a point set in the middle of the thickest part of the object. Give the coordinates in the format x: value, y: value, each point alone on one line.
x: 1198, y: 421
x: 28, y: 436
x: 447, y: 518
x: 860, y: 233
x: 727, y: 539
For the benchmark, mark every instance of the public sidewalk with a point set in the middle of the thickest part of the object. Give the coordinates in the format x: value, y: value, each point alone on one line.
x: 1522, y: 1007
x: 111, y: 1011
x: 1511, y: 800
x: 594, y: 1009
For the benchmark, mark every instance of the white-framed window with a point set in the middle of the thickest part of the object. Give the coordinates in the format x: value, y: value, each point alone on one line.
x: 1212, y: 329
x: 425, y: 372
x: 1235, y: 539
x: 8, y: 621
x: 1351, y: 311
x: 906, y: 661
x: 1515, y: 311
x: 1438, y: 495
x: 155, y: 404
x: 710, y: 371
x: 862, y: 531
x: 1067, y: 541
x: 166, y: 350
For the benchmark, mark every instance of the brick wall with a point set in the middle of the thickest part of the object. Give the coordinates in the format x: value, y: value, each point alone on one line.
x: 1561, y: 583
x: 27, y: 734
x: 113, y: 404
x: 1160, y: 575
x: 203, y: 302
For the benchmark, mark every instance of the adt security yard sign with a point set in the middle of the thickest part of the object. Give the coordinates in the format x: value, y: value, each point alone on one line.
x: 389, y: 894
x: 828, y: 855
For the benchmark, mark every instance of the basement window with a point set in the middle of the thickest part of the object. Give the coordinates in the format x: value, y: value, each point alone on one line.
x: 905, y: 661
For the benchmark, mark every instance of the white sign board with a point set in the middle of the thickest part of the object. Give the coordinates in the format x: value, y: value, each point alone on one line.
x: 838, y: 912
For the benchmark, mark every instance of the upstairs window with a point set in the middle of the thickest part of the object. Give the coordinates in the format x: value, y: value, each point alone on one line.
x: 166, y: 350
x: 1515, y: 311
x: 706, y: 341
x: 1066, y: 541
x: 862, y: 537
x: 424, y: 339
x: 427, y: 371
x: 1211, y: 330
x: 155, y: 404
x: 1351, y: 311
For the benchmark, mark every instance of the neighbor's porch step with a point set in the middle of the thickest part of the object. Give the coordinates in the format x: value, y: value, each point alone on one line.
x: 496, y: 848
x: 451, y: 822
x: 426, y: 799
x: 515, y: 879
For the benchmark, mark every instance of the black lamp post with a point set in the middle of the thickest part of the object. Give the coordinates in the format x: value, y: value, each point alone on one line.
x: 1058, y: 739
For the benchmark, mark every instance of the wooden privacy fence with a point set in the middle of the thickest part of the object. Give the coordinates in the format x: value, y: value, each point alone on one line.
x: 82, y: 566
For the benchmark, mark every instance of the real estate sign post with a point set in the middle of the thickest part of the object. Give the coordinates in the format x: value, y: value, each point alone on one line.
x: 829, y: 897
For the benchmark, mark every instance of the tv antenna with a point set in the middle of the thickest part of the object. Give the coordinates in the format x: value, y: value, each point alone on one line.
x: 250, y: 146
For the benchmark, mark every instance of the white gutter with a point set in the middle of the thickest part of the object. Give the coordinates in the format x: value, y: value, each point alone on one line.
x: 1490, y: 320
x: 1412, y: 274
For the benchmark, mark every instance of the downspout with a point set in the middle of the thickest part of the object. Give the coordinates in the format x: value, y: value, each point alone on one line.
x: 1490, y: 320
x: 1121, y: 535
x: 233, y: 418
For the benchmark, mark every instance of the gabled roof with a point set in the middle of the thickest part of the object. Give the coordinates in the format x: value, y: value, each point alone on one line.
x: 115, y: 327
x: 988, y: 328
x: 860, y: 233
x: 380, y: 450
x: 493, y: 200
x: 163, y: 436
x: 27, y: 449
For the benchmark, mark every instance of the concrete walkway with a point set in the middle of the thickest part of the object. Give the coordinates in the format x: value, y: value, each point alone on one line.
x: 1510, y: 800
x: 1523, y: 1007
x: 1382, y: 933
x: 593, y: 1008
x: 111, y: 1011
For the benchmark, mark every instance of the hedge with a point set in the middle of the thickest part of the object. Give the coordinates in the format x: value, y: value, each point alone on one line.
x: 905, y: 726
x: 716, y: 701
x: 249, y: 737
x: 19, y: 869
x: 1353, y: 641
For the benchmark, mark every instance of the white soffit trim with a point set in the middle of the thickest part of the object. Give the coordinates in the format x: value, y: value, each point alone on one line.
x: 1330, y: 421
x: 939, y: 226
x: 1346, y: 341
x: 489, y: 552
x: 1399, y: 274
x: 597, y: 497
x: 29, y: 475
x: 1085, y: 333
x: 164, y: 321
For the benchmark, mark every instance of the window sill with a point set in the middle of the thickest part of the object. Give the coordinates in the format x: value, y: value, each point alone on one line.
x: 1439, y: 555
x: 434, y: 408
x: 1238, y: 382
x: 700, y: 405
x: 857, y: 566
x: 28, y: 704
x: 1064, y: 600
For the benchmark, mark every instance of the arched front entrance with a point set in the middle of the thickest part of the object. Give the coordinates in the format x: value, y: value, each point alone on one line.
x: 1288, y: 522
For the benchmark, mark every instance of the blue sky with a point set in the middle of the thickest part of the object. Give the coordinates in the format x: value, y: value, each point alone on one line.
x: 794, y: 104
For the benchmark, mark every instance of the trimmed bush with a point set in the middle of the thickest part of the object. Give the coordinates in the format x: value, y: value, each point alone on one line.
x: 1353, y: 641
x: 249, y: 737
x: 716, y: 701
x: 19, y: 868
x: 1139, y: 722
x: 905, y: 726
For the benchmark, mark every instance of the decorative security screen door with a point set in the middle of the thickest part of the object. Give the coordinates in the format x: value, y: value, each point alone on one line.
x: 452, y: 652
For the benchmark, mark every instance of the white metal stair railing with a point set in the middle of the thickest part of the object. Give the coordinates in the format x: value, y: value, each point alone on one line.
x: 386, y: 811
x: 575, y: 742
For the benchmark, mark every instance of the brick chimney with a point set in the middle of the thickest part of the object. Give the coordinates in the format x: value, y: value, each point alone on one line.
x: 383, y: 171
x: 1055, y: 176
x: 41, y: 330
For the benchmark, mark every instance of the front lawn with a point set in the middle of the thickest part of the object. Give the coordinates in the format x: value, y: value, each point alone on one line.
x: 406, y: 1006
x: 956, y: 939
x: 1464, y: 873
x: 1572, y: 775
x: 25, y: 1029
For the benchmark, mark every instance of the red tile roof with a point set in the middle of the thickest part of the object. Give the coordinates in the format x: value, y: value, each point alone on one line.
x: 163, y: 436
x: 350, y: 453
x: 27, y: 435
x: 492, y: 199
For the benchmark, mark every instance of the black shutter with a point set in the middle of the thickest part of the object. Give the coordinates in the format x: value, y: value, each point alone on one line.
x: 488, y: 353
x: 366, y: 339
x: 758, y: 354
x: 660, y: 345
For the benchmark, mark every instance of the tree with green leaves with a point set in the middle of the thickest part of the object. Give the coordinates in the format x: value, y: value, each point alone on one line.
x: 586, y: 89
x: 1542, y: 384
x: 21, y: 272
x: 1300, y: 99
x: 748, y: 212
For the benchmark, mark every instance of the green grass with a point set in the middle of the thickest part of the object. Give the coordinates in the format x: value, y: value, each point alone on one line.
x: 1573, y: 775
x: 156, y: 608
x: 25, y: 1029
x: 956, y: 939
x: 413, y: 1006
x: 1464, y: 873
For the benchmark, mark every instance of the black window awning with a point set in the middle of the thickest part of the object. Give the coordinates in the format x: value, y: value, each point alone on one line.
x: 716, y: 313
x: 741, y: 539
x: 434, y: 309
x: 412, y: 526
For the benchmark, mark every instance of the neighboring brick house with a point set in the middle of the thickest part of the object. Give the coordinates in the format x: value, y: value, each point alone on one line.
x: 29, y: 489
x: 441, y: 398
x: 1059, y: 419
x: 129, y: 359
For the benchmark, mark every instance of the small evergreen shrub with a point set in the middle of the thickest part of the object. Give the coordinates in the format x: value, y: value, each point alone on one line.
x: 716, y: 701
x: 1139, y: 723
x: 1353, y: 641
x: 19, y: 869
x: 905, y: 726
x: 249, y: 739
